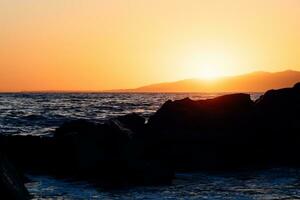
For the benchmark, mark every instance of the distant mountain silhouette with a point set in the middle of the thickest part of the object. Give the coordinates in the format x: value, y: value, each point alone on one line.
x: 252, y: 82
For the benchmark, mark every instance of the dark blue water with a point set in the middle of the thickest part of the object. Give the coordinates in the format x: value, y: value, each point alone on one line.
x: 260, y: 185
x: 40, y: 114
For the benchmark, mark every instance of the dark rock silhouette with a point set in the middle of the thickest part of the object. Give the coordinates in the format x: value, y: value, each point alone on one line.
x: 279, y: 117
x: 199, y: 115
x: 105, y: 152
x: 205, y: 133
x: 11, y: 183
x: 92, y: 150
x: 231, y: 131
x: 297, y: 87
x: 131, y: 121
x: 224, y: 133
x: 29, y: 153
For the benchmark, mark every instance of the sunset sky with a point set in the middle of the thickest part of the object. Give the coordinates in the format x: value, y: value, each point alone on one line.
x: 111, y: 44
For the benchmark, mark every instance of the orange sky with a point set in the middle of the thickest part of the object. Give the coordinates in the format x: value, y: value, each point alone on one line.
x: 110, y: 44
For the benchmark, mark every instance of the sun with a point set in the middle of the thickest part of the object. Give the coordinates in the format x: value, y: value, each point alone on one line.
x: 205, y: 68
x: 209, y: 64
x: 209, y: 72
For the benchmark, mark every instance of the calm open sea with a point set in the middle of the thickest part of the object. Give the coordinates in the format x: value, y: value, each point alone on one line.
x: 41, y: 113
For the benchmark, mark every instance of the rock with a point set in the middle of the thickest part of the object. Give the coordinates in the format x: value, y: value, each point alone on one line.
x: 230, y: 131
x: 11, y: 183
x: 131, y: 121
x: 198, y: 115
x: 279, y: 123
x: 89, y: 149
x: 204, y: 133
x: 30, y: 153
x: 279, y: 109
x: 219, y: 118
x: 284, y: 101
x: 297, y: 87
x: 108, y: 153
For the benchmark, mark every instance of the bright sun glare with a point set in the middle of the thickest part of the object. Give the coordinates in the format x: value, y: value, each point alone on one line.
x: 209, y: 73
x: 209, y: 65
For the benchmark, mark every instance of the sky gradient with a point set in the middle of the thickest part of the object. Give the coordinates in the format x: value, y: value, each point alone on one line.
x: 111, y: 44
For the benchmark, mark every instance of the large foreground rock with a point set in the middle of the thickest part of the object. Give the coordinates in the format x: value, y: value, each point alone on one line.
x: 230, y: 131
x: 205, y: 133
x: 279, y: 115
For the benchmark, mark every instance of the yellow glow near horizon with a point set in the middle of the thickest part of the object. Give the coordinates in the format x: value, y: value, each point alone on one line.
x: 112, y: 44
x: 209, y: 73
x: 211, y: 63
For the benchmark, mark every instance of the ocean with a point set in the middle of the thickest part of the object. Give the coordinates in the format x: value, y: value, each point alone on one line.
x: 41, y: 113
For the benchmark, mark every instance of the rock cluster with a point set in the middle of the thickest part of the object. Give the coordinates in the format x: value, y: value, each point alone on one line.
x: 224, y: 133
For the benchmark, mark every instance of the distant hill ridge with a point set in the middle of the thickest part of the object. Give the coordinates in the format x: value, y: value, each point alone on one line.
x: 253, y: 82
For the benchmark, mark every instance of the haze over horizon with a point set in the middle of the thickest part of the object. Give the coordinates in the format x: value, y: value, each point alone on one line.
x: 95, y: 45
x: 258, y: 81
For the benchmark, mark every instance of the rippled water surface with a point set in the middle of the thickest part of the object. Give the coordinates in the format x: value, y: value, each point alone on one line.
x: 265, y: 185
x: 40, y: 114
